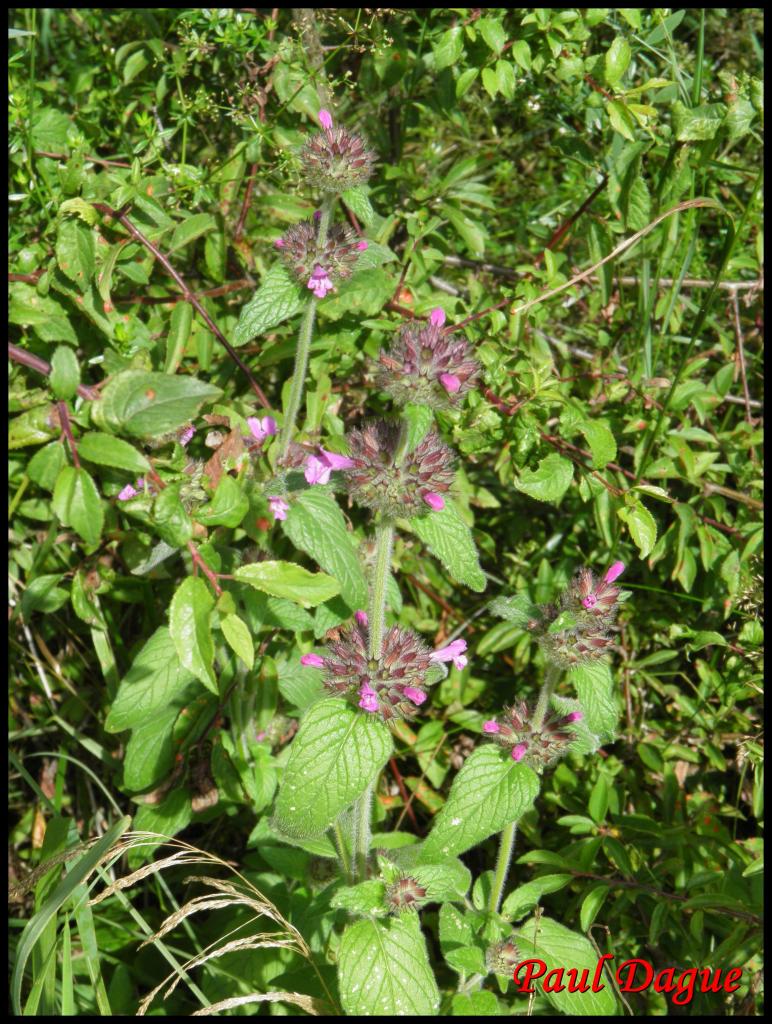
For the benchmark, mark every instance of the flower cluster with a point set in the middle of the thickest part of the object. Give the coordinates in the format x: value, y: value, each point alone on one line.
x: 320, y: 265
x: 261, y: 429
x: 405, y: 894
x: 577, y: 630
x: 334, y: 159
x: 533, y: 744
x: 503, y: 957
x: 391, y: 685
x: 426, y: 366
x: 396, y: 484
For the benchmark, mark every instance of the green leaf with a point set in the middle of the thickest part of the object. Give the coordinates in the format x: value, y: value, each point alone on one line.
x: 336, y: 754
x: 316, y: 525
x: 597, y: 697
x: 358, y: 201
x: 549, y: 481
x: 106, y: 450
x: 32, y: 427
x: 192, y: 227
x: 43, y: 313
x: 476, y: 1004
x: 286, y: 579
x: 617, y: 61
x: 228, y: 507
x: 465, y: 80
x: 471, y: 232
x: 449, y: 48
x: 521, y: 52
x: 44, y: 466
x: 527, y: 896
x: 489, y: 793
x: 149, y: 753
x: 43, y: 595
x: 156, y: 679
x: 178, y: 334
x: 697, y: 124
x: 148, y: 404
x: 384, y: 970
x: 490, y: 82
x: 635, y: 201
x: 641, y: 524
x: 419, y: 419
x: 364, y: 294
x: 189, y: 624
x: 449, y: 538
x: 76, y: 503
x: 279, y: 297
x: 591, y: 904
x: 65, y: 373
x: 168, y: 818
x: 505, y: 75
x: 560, y: 948
x: 239, y: 638
x: 447, y: 881
x: 173, y: 524
x: 621, y: 119
x: 601, y: 442
x: 75, y: 251
x: 518, y: 609
x: 363, y: 899
x: 492, y: 31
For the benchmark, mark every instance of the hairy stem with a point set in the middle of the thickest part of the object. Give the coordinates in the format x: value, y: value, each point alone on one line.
x: 551, y: 678
x: 305, y: 336
x: 506, y: 849
x: 343, y: 854
x: 362, y: 809
x: 384, y: 540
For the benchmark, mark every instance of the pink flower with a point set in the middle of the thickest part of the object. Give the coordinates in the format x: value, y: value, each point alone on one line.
x: 319, y: 282
x: 312, y: 661
x: 319, y: 467
x: 362, y: 619
x: 453, y: 652
x: 362, y: 245
x: 325, y: 119
x: 450, y: 382
x: 128, y: 492
x: 417, y: 696
x: 317, y: 214
x: 260, y: 429
x: 278, y: 507
x: 437, y: 319
x: 519, y: 752
x: 435, y: 501
x: 187, y: 435
x: 369, y: 698
x: 317, y: 471
x: 335, y: 461
x: 616, y: 570
x: 491, y: 726
x: 279, y: 243
x: 574, y: 716
x: 590, y: 601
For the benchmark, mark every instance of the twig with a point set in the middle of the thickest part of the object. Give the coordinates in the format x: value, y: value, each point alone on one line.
x: 64, y: 419
x: 210, y: 574
x: 91, y: 159
x: 164, y: 300
x: 568, y: 224
x: 741, y: 359
x: 19, y: 355
x: 188, y: 295
x: 239, y: 230
x: 403, y: 792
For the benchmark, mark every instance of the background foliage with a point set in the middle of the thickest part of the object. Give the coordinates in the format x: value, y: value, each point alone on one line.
x: 619, y: 419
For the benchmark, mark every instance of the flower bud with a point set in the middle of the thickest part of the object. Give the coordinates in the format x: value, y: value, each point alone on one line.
x: 335, y: 159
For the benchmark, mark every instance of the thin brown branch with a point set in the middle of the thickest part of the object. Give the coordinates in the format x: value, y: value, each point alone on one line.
x: 64, y: 419
x: 211, y: 293
x: 198, y: 562
x: 403, y: 793
x: 24, y: 358
x: 91, y: 159
x: 566, y: 226
x: 239, y: 230
x: 741, y: 360
x: 188, y: 295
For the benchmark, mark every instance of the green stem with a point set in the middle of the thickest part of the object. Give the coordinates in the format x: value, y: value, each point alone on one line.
x: 542, y: 704
x: 506, y: 848
x: 507, y: 837
x: 384, y: 540
x: 305, y: 335
x: 362, y: 809
x: 342, y: 848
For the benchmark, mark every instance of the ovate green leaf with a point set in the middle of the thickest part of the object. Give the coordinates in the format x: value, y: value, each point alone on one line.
x: 191, y: 632
x: 450, y: 539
